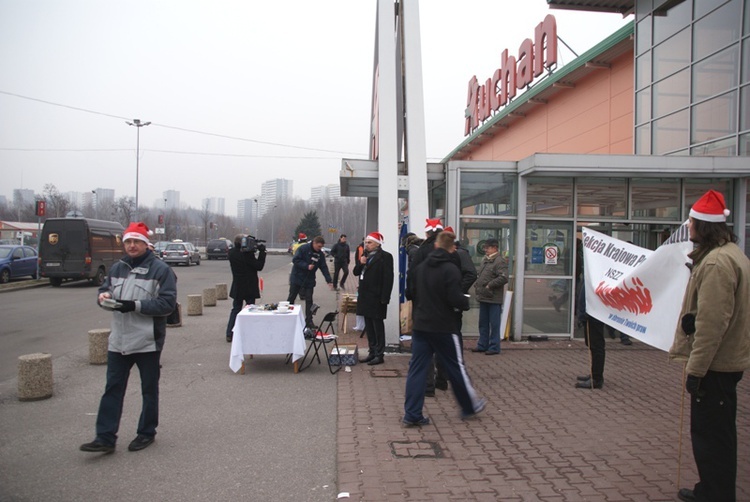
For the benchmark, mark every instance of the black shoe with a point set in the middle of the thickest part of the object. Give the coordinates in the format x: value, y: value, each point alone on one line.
x: 416, y: 423
x: 429, y: 393
x: 441, y: 385
x: 583, y: 378
x: 626, y: 341
x: 367, y: 359
x: 477, y: 349
x: 375, y: 361
x: 229, y: 339
x: 140, y: 442
x: 586, y: 384
x: 686, y: 494
x: 97, y: 447
x: 491, y: 352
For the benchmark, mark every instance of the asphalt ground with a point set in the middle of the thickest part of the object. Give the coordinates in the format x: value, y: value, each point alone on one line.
x: 274, y: 435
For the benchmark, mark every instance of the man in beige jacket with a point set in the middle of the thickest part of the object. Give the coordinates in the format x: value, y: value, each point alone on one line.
x: 713, y: 339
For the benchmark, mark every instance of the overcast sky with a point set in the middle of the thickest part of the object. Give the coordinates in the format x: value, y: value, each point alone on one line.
x: 238, y: 92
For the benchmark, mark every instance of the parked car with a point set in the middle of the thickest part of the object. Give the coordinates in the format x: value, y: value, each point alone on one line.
x: 17, y: 261
x: 181, y: 252
x: 218, y: 249
x: 159, y: 248
x: 79, y: 248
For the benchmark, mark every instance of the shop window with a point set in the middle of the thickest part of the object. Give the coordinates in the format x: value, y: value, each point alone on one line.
x: 722, y: 148
x: 671, y: 56
x: 714, y: 118
x: 670, y: 133
x: 696, y: 187
x: 643, y: 35
x: 717, y: 30
x: 643, y: 106
x: 643, y: 140
x: 671, y: 21
x: 655, y: 198
x: 672, y: 93
x: 549, y: 196
x: 702, y: 7
x: 488, y: 193
x: 745, y: 108
x: 541, y: 236
x: 643, y: 71
x: 746, y: 30
x: 746, y: 58
x: 601, y: 197
x: 547, y: 306
x: 716, y: 74
x: 744, y: 147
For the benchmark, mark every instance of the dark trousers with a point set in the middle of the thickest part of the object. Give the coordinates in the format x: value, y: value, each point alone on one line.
x: 436, y: 375
x: 305, y: 294
x: 713, y: 429
x: 343, y: 266
x: 110, y: 407
x: 448, y: 350
x: 237, y: 304
x: 596, y: 344
x: 375, y: 330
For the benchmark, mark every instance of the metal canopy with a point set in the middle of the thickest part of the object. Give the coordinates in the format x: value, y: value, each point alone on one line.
x: 359, y: 178
x: 623, y: 7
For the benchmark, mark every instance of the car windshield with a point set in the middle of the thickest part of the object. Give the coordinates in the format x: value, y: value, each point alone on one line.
x: 5, y: 252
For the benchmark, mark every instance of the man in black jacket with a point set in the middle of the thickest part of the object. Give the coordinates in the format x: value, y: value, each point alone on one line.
x: 341, y: 258
x: 307, y: 260
x: 435, y: 289
x: 245, y: 267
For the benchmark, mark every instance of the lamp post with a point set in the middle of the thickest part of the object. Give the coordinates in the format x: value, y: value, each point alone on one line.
x: 256, y: 216
x: 95, y: 203
x: 273, y: 218
x: 138, y: 124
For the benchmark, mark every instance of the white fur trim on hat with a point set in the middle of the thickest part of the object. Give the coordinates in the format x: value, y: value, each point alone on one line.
x: 433, y: 224
x: 138, y: 231
x: 376, y: 237
x: 710, y: 207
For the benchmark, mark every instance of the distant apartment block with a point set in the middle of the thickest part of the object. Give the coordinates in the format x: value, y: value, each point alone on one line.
x: 273, y: 192
x: 325, y: 192
x: 215, y: 205
x: 172, y: 199
x: 23, y: 196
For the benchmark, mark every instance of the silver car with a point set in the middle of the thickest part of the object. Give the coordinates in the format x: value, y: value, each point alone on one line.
x: 181, y: 252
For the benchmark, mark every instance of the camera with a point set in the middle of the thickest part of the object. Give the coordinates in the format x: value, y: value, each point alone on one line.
x: 250, y: 244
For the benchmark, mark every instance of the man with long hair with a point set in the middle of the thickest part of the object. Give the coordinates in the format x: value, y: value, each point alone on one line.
x: 713, y: 339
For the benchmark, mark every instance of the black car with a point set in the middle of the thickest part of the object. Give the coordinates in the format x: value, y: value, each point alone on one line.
x: 218, y: 249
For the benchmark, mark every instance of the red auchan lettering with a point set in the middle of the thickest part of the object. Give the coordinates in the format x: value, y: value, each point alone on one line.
x: 514, y: 73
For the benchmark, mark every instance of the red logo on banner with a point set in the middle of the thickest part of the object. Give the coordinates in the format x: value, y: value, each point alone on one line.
x: 636, y: 299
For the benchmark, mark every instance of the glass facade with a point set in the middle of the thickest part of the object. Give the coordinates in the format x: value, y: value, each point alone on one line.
x: 692, y: 78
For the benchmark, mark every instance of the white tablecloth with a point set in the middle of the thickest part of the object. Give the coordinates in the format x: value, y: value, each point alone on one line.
x: 266, y: 332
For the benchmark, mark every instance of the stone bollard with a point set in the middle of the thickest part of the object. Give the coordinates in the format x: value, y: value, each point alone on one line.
x: 34, y: 377
x: 98, y: 345
x: 195, y: 305
x: 221, y: 292
x: 209, y: 297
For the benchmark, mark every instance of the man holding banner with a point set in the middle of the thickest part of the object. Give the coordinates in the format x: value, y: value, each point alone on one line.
x: 713, y: 339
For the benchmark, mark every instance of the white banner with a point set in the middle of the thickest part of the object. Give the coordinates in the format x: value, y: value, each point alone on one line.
x: 635, y: 290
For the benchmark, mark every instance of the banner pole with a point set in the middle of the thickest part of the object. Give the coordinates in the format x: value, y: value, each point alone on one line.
x: 682, y: 418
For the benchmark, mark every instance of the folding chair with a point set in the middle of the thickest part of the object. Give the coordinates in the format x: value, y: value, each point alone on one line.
x: 320, y: 338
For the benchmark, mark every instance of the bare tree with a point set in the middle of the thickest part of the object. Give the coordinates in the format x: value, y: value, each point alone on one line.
x: 58, y: 204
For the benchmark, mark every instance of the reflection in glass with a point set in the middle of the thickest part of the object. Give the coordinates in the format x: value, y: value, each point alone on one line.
x: 716, y: 74
x: 643, y: 140
x: 602, y: 197
x: 670, y: 133
x: 745, y: 107
x: 722, y: 148
x: 695, y: 188
x: 672, y: 93
x: 550, y: 196
x: 655, y: 198
x: 643, y: 37
x: 643, y: 105
x: 715, y: 118
x: 670, y: 21
x: 672, y: 56
x: 547, y: 306
x: 643, y: 71
x: 488, y: 193
x: 540, y: 235
x: 717, y: 30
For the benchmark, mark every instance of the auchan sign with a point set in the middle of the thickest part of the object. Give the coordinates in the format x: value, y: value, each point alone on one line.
x: 514, y: 73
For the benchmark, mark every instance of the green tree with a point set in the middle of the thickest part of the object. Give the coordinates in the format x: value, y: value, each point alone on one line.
x: 309, y: 225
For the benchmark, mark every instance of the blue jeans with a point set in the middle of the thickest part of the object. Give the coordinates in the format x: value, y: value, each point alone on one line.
x: 489, y: 326
x: 110, y: 407
x: 447, y: 348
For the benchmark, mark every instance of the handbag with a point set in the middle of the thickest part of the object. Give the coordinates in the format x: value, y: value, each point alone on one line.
x: 405, y: 319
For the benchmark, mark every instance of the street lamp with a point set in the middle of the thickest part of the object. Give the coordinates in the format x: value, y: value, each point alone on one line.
x: 138, y: 124
x: 256, y: 217
x: 273, y: 218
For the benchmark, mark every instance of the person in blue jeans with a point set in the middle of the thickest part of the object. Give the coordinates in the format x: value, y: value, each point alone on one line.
x: 489, y: 292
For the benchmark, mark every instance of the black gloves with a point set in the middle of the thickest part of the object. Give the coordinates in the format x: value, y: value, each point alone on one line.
x: 688, y: 324
x: 692, y: 385
x: 127, y: 306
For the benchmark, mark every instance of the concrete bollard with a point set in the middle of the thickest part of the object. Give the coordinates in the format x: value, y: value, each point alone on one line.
x: 195, y: 305
x: 98, y: 344
x: 34, y: 377
x: 209, y: 297
x: 221, y: 292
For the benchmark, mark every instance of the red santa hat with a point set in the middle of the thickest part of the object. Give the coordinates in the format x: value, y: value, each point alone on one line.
x: 301, y: 236
x: 433, y: 224
x: 711, y: 207
x: 137, y: 230
x: 449, y: 229
x: 375, y: 236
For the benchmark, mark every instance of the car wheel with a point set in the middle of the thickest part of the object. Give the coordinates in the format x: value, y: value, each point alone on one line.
x: 35, y: 275
x: 189, y: 262
x: 55, y: 281
x: 198, y: 261
x: 98, y: 279
x: 4, y: 276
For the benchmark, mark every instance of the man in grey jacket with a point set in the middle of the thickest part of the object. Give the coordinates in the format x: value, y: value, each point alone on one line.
x: 491, y: 280
x: 141, y: 291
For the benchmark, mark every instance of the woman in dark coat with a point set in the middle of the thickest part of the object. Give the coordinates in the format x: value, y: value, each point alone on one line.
x: 245, y: 267
x: 375, y: 271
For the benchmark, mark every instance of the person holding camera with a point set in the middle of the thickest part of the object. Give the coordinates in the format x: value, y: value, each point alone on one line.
x: 307, y: 259
x: 245, y: 266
